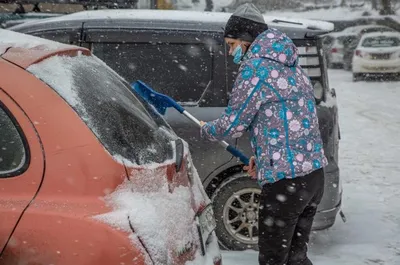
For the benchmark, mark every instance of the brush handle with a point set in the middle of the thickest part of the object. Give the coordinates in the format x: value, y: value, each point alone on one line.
x: 177, y: 106
x: 238, y: 154
x: 235, y: 152
x: 191, y: 117
x: 161, y: 102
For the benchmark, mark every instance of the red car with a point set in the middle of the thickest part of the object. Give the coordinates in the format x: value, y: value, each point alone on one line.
x: 89, y: 172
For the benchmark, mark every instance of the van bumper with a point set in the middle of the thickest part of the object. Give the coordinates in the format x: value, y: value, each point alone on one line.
x: 331, y: 203
x: 326, y: 218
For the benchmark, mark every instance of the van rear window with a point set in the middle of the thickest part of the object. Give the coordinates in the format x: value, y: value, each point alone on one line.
x: 381, y: 42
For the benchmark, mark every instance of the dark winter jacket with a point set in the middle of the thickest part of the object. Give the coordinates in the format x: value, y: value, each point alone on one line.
x: 273, y: 99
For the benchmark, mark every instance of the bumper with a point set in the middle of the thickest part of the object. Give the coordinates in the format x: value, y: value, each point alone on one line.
x: 326, y: 218
x: 332, y: 200
x: 336, y: 58
x: 372, y: 67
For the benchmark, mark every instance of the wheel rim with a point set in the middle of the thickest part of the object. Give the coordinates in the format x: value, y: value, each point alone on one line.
x: 240, y: 215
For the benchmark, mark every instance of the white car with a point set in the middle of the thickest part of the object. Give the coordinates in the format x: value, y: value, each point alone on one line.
x: 334, y: 47
x: 359, y: 31
x: 377, y: 54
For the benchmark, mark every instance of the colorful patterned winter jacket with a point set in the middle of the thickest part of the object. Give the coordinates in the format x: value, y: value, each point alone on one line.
x: 273, y: 99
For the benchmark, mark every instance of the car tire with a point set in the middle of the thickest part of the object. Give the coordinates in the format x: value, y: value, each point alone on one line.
x: 356, y: 77
x: 230, y: 219
x: 347, y: 67
x: 336, y: 65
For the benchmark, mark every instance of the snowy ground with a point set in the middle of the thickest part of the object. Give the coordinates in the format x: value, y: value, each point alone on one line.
x: 370, y: 126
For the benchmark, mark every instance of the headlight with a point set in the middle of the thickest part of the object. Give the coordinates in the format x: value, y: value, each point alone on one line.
x: 318, y: 90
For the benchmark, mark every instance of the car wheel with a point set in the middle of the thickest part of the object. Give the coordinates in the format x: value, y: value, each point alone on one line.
x: 347, y: 66
x: 236, y: 205
x: 356, y: 77
x: 335, y: 65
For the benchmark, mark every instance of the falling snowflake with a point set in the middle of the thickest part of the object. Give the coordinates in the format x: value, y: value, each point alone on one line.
x: 281, y: 197
x: 183, y: 68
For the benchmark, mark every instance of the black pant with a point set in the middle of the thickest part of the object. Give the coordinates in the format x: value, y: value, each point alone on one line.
x: 287, y: 210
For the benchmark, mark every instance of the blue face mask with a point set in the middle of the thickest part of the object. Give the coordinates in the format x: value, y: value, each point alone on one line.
x: 237, y: 54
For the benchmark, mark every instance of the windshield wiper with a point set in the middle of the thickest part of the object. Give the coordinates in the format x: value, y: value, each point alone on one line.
x: 285, y: 21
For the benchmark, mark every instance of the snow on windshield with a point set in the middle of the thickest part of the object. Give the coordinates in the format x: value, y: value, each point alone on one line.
x: 59, y: 77
x: 126, y: 125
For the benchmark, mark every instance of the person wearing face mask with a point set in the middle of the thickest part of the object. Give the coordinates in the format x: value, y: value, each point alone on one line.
x: 273, y: 100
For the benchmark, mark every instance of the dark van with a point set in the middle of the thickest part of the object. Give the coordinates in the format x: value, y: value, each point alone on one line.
x: 183, y: 54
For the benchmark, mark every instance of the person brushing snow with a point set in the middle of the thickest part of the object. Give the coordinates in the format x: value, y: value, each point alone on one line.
x: 273, y: 99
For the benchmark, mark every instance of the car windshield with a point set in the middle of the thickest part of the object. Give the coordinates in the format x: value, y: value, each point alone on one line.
x: 128, y: 127
x: 381, y: 42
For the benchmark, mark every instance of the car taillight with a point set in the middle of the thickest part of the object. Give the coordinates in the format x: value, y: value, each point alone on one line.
x: 358, y: 53
x: 334, y: 50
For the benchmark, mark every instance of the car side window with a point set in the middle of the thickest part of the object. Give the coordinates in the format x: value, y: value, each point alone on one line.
x: 232, y: 70
x: 63, y: 36
x: 12, y: 150
x: 182, y: 71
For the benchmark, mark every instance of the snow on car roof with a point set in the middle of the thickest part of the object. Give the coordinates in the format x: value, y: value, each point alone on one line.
x: 358, y: 29
x: 18, y: 40
x: 378, y: 34
x: 300, y: 23
x: 188, y: 16
x: 341, y: 33
x: 144, y: 14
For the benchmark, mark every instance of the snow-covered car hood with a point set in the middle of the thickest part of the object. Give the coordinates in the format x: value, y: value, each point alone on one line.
x: 158, y: 206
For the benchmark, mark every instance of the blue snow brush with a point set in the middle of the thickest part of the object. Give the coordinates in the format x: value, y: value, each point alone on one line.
x: 162, y: 102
